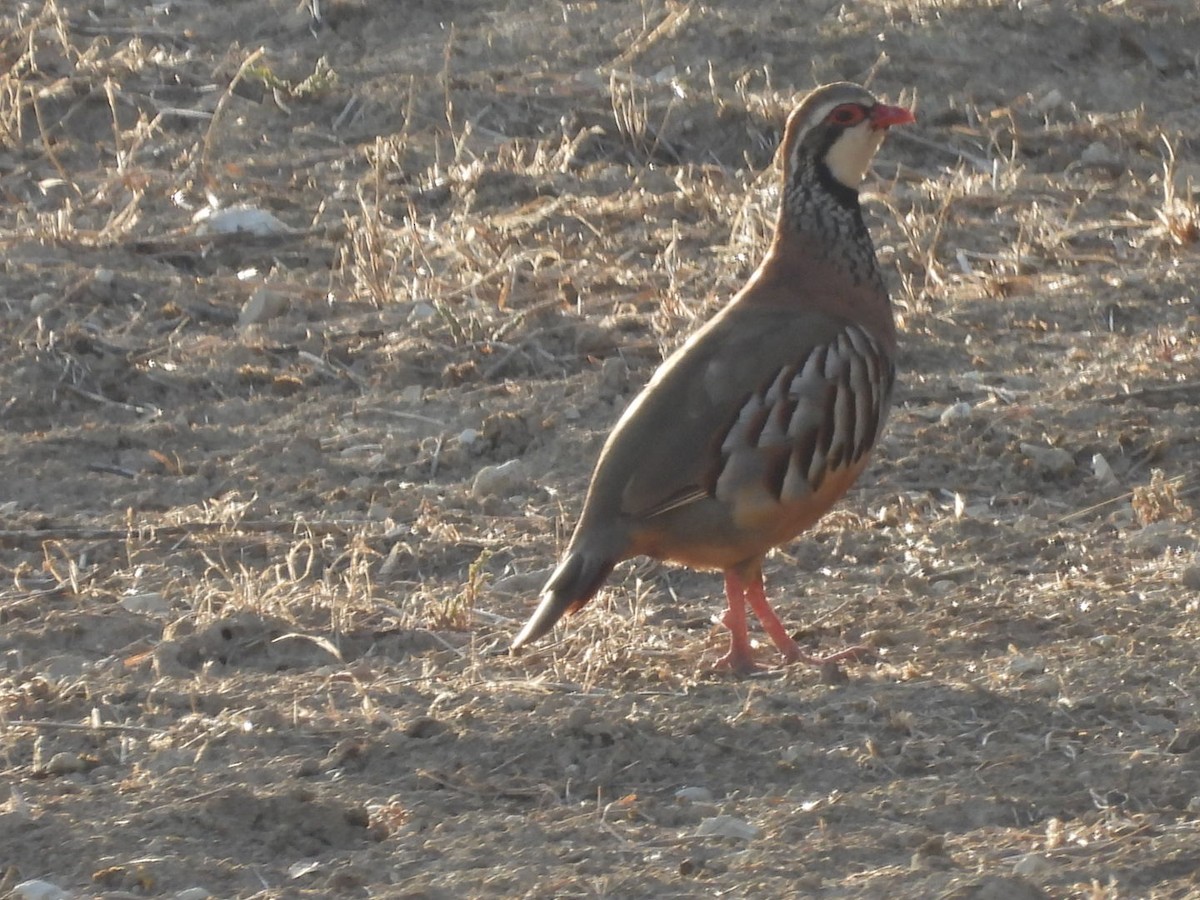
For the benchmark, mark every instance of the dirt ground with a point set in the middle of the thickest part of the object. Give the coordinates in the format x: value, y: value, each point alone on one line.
x: 275, y: 502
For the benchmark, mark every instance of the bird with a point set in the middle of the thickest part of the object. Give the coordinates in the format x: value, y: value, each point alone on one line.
x: 748, y: 433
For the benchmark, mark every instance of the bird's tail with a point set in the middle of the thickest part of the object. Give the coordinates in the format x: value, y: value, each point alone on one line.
x: 575, y: 582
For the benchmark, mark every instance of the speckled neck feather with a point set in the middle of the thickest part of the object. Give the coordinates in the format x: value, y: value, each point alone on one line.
x: 820, y: 208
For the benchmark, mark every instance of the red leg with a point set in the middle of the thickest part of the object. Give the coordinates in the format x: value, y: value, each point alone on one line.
x: 739, y: 658
x: 756, y: 596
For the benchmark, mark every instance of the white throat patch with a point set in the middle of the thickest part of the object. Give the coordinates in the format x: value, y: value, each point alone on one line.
x: 851, y: 154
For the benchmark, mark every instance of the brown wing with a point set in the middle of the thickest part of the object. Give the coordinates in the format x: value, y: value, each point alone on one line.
x: 777, y: 446
x: 807, y: 428
x: 723, y: 412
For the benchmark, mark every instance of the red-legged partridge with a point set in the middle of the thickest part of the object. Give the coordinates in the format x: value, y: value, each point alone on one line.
x: 755, y: 427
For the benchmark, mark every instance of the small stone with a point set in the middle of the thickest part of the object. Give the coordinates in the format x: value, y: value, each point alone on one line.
x: 303, y: 867
x: 263, y: 305
x: 1140, y: 43
x: 498, y: 481
x: 927, y: 860
x: 1051, y: 460
x: 413, y: 393
x: 1104, y: 641
x: 592, y: 340
x: 614, y: 377
x: 1186, y: 178
x: 1103, y: 471
x: 39, y: 890
x: 1158, y: 537
x: 308, y: 768
x: 578, y: 717
x: 726, y: 826
x: 151, y: 603
x: 424, y: 727
x: 519, y: 703
x: 522, y: 582
x: 421, y: 312
x: 357, y: 817
x: 956, y: 412
x: 1044, y: 684
x: 879, y: 637
x: 63, y: 666
x: 1096, y: 153
x: 468, y: 436
x: 104, y: 283
x: 65, y: 764
x: 1052, y: 100
x: 1185, y: 741
x: 694, y: 795
x: 167, y: 662
x: 1034, y: 664
x: 240, y: 218
x: 1031, y: 864
x: 1190, y: 578
x: 996, y: 887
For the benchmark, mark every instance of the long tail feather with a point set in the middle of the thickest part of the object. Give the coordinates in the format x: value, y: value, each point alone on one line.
x: 575, y: 581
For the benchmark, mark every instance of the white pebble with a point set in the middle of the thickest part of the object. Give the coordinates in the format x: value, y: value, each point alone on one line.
x: 956, y: 412
x: 38, y: 890
x: 694, y: 795
x: 262, y: 306
x: 497, y: 481
x: 241, y: 218
x: 726, y: 826
x: 421, y: 312
x: 148, y: 604
x: 1051, y: 100
x: 1030, y: 864
x: 1103, y: 471
x: 1097, y: 153
x: 104, y: 282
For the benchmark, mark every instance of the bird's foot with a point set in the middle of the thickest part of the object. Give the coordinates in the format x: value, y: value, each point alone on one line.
x: 831, y: 672
x: 858, y: 653
x: 739, y: 661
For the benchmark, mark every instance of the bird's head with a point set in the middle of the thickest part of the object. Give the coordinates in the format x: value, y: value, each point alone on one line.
x: 840, y: 127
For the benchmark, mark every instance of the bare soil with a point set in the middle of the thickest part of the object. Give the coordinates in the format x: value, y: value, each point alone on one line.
x: 258, y: 567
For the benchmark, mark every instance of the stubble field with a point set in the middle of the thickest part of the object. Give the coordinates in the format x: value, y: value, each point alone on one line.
x: 274, y: 503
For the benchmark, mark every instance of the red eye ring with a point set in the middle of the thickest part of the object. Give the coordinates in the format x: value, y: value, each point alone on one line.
x: 847, y: 114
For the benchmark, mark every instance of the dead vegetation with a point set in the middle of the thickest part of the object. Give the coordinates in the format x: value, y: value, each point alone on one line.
x: 265, y: 541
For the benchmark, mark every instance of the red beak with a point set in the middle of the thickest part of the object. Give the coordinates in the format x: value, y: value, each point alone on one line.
x: 884, y: 116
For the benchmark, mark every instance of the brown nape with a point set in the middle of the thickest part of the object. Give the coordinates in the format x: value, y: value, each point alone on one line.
x: 757, y: 425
